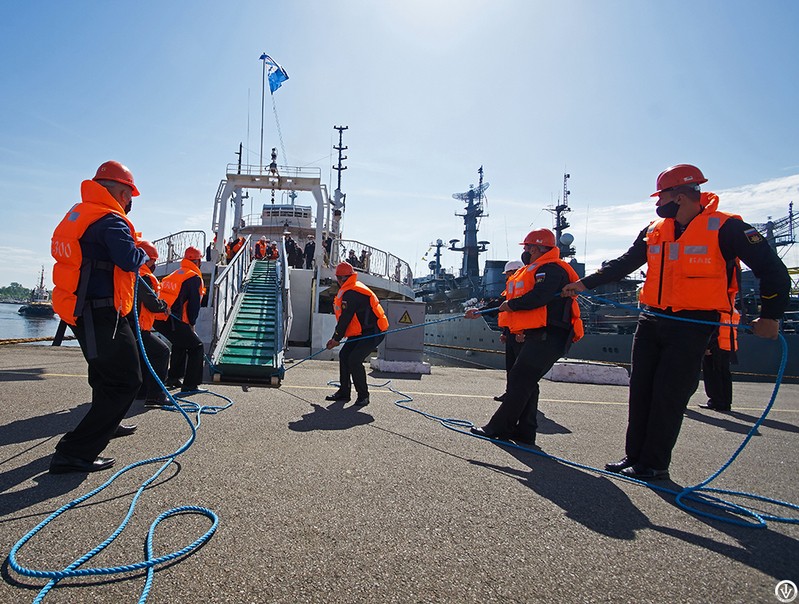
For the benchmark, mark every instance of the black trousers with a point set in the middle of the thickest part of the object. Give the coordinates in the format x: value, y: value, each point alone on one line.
x: 516, y: 415
x: 666, y: 361
x: 114, y: 376
x: 512, y: 348
x: 350, y: 364
x: 158, y: 355
x: 717, y: 377
x: 186, y: 361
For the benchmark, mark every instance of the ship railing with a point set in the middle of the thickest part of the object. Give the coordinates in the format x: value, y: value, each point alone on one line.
x: 284, y: 171
x: 171, y: 248
x: 227, y: 286
x: 294, y: 219
x: 284, y: 299
x: 371, y: 260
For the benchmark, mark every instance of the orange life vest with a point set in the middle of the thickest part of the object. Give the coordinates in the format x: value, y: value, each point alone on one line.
x: 260, y: 250
x: 502, y: 318
x: 96, y: 203
x: 171, y: 284
x: 689, y: 273
x: 728, y: 336
x: 147, y: 317
x: 523, y: 281
x: 354, y: 328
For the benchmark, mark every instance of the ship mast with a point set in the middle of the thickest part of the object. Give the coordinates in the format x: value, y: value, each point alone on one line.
x: 471, y: 248
x: 561, y: 224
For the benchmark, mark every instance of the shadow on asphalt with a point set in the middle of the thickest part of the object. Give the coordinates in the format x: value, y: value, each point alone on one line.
x: 333, y: 417
x: 42, y: 426
x: 735, y: 421
x: 765, y: 550
x: 600, y: 505
x: 10, y: 375
x: 43, y: 486
x: 577, y: 493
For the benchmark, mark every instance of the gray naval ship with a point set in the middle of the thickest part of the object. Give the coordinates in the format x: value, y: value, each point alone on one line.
x: 610, y: 316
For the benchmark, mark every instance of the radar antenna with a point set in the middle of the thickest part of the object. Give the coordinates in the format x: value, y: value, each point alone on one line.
x: 471, y: 248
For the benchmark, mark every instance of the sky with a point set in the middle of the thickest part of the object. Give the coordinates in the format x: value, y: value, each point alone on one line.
x: 609, y: 91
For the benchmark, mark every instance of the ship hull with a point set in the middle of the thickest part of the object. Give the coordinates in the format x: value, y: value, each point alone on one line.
x: 37, y: 310
x: 473, y: 343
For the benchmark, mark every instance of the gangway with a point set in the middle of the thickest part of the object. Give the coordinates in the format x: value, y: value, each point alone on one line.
x: 250, y: 348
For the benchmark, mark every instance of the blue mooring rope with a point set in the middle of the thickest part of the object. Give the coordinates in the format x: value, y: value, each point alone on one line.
x: 698, y: 493
x: 176, y: 403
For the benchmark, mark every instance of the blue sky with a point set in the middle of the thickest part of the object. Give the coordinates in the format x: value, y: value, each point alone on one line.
x: 610, y: 91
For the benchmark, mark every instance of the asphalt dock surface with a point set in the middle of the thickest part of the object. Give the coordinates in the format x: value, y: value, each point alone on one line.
x: 324, y: 502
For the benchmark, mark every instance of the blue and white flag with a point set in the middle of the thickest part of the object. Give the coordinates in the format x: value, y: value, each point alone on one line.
x: 274, y: 73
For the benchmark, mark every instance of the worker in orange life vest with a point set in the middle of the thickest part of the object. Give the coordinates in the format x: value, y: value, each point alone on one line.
x: 358, y: 315
x: 151, y: 307
x: 183, y: 290
x: 690, y: 252
x: 512, y: 342
x: 260, y: 248
x: 94, y: 275
x: 549, y: 325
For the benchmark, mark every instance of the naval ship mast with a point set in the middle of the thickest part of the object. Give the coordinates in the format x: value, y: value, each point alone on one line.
x: 564, y: 240
x: 471, y: 248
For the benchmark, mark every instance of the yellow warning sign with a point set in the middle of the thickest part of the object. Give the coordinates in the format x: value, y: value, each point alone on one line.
x: 406, y: 319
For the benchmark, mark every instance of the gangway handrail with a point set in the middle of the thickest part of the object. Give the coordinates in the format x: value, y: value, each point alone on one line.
x: 378, y: 262
x: 227, y: 287
x: 284, y: 299
x: 171, y: 248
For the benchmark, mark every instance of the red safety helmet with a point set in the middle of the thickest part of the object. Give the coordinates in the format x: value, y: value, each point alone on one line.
x: 681, y: 174
x: 543, y: 237
x: 148, y: 248
x: 113, y: 170
x: 192, y: 253
x: 344, y: 269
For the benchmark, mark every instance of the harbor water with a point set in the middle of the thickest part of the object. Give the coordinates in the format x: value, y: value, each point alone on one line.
x: 15, y: 326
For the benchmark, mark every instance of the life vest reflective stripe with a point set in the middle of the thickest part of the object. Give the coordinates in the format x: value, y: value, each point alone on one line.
x: 523, y: 281
x: 171, y: 284
x: 354, y: 328
x: 96, y: 203
x: 147, y: 317
x: 689, y: 273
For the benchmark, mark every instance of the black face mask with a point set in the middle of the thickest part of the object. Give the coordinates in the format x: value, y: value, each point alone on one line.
x: 526, y: 257
x: 668, y: 210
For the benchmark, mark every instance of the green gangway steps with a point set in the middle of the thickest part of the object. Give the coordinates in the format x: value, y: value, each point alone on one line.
x: 250, y: 351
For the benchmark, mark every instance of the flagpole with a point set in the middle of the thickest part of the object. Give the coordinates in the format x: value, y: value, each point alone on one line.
x: 263, y: 86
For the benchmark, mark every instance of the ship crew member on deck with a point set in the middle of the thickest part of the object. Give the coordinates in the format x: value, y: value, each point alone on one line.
x: 94, y: 275
x: 549, y: 325
x: 183, y: 291
x: 513, y: 342
x: 309, y: 251
x: 260, y: 248
x: 359, y: 315
x: 151, y: 307
x: 690, y: 254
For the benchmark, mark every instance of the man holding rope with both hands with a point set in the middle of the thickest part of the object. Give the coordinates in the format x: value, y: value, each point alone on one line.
x: 691, y: 253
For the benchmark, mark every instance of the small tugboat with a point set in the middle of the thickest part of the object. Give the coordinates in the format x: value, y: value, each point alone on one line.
x: 40, y: 304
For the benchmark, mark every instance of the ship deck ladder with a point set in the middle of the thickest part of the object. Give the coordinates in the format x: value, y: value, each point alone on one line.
x: 249, y: 350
